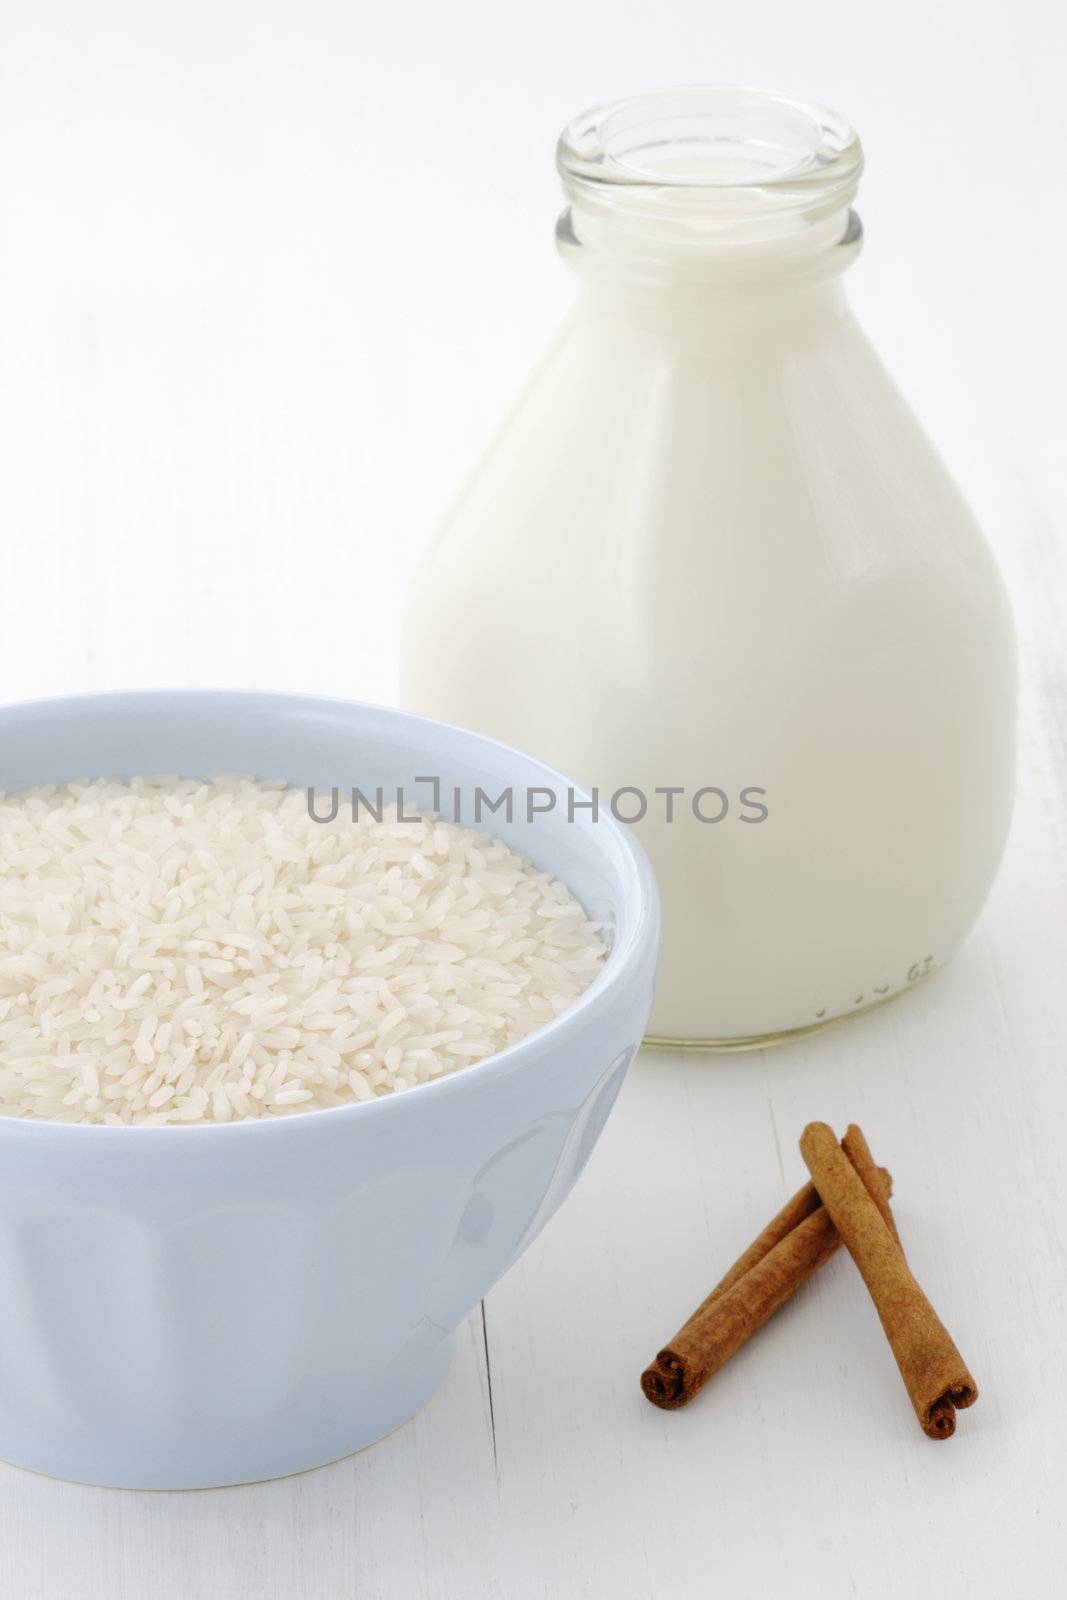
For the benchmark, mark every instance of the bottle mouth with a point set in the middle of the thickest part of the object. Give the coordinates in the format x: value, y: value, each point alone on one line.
x: 699, y: 158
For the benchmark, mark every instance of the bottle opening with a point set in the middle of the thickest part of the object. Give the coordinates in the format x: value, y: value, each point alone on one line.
x: 707, y: 138
x: 695, y: 162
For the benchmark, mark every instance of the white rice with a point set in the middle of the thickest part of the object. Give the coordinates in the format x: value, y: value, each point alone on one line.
x: 177, y: 951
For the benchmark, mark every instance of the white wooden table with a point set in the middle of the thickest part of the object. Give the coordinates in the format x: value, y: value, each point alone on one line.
x: 267, y: 284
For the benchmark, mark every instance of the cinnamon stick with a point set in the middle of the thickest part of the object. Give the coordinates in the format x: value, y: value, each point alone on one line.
x: 792, y: 1246
x: 934, y: 1372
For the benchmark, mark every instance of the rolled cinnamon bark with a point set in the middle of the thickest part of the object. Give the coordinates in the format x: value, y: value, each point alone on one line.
x: 934, y: 1372
x: 791, y: 1247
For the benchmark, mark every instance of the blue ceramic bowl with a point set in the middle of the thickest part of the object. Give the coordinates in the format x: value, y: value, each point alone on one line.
x: 211, y: 1304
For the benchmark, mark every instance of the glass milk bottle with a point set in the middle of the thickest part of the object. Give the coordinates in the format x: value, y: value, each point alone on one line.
x: 712, y: 567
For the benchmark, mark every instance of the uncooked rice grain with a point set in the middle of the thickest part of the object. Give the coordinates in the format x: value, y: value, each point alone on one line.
x: 185, y: 951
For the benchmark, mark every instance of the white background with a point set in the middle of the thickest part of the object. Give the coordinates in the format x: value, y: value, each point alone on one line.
x: 269, y: 273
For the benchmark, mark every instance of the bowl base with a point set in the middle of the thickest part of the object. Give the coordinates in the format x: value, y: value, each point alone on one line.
x: 392, y: 1399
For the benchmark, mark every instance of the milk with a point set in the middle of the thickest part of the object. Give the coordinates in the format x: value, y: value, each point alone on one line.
x: 712, y: 553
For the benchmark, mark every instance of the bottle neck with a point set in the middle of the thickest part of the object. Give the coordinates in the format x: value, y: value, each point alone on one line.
x: 727, y: 194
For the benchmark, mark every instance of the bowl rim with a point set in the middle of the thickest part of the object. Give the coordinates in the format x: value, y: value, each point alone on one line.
x: 627, y: 955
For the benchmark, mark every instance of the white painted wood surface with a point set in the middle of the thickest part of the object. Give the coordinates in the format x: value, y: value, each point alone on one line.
x: 270, y: 274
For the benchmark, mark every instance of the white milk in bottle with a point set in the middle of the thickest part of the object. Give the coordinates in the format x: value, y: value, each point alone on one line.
x: 712, y: 567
